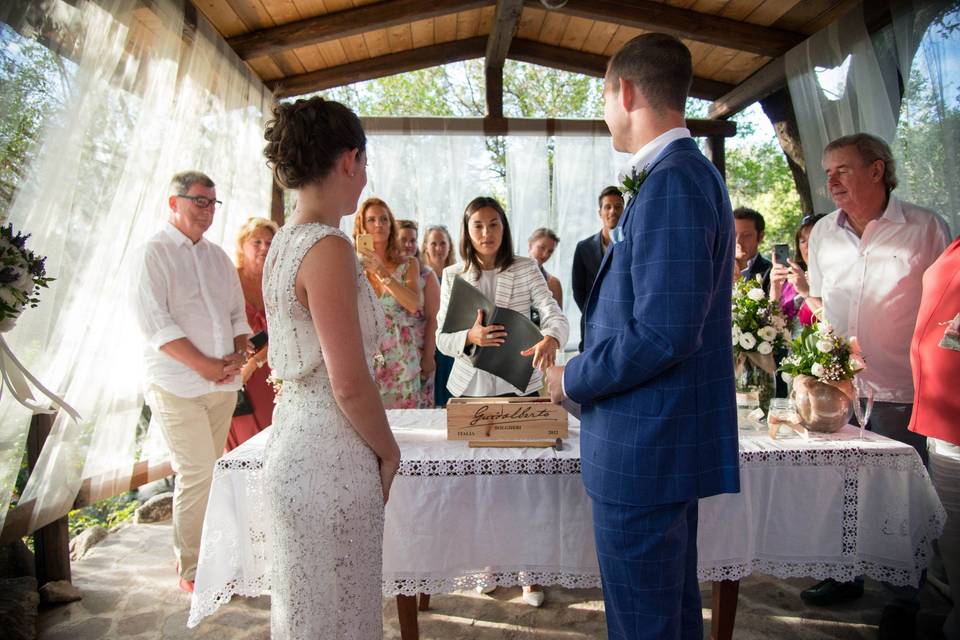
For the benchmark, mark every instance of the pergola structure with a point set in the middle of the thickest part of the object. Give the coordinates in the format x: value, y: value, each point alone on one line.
x: 302, y: 46
x: 738, y: 46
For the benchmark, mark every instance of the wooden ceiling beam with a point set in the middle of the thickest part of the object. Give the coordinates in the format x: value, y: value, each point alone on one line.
x: 504, y: 27
x: 520, y: 126
x: 684, y: 23
x: 596, y: 65
x: 378, y: 67
x: 339, y: 24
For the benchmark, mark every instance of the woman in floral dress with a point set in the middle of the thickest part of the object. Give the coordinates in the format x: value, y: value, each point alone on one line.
x: 427, y: 317
x: 395, y: 280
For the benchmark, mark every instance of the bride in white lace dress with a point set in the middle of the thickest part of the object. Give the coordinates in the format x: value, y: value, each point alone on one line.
x: 331, y: 456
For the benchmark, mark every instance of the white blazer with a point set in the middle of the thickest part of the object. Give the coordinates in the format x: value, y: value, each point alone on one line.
x: 520, y: 287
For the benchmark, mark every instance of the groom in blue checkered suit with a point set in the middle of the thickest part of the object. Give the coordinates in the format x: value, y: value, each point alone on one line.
x: 655, y: 379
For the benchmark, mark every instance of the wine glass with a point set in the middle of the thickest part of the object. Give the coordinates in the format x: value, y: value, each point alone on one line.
x: 862, y: 392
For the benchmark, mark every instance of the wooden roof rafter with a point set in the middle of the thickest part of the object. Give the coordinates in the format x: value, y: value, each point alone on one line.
x: 685, y: 23
x: 505, y: 21
x: 341, y: 24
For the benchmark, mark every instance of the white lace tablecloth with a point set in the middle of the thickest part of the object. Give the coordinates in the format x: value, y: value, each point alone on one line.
x: 833, y: 506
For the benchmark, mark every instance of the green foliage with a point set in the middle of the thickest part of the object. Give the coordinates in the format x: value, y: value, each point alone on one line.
x: 32, y: 91
x: 106, y: 513
x: 758, y: 177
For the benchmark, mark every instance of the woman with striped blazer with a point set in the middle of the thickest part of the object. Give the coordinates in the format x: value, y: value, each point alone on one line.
x: 510, y: 281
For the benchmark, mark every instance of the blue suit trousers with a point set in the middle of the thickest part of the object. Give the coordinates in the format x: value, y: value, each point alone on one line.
x: 648, y: 567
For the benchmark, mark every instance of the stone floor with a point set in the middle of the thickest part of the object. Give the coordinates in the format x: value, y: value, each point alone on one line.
x: 130, y: 591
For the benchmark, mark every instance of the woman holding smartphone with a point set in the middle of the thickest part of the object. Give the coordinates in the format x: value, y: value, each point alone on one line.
x: 788, y: 278
x: 395, y: 280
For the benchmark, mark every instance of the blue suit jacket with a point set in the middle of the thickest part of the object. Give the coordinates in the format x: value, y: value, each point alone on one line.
x: 655, y: 379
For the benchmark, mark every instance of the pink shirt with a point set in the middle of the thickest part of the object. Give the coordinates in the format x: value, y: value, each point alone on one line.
x: 871, y: 286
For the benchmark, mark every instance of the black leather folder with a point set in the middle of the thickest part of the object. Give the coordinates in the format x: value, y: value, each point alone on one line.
x: 504, y: 361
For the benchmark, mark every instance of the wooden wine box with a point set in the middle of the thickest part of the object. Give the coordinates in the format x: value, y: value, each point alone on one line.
x: 505, y: 419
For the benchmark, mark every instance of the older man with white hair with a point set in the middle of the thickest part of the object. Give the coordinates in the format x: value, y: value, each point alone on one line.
x: 866, y: 267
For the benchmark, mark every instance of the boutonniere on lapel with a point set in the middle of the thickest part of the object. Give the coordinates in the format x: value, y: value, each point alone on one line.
x: 631, y: 184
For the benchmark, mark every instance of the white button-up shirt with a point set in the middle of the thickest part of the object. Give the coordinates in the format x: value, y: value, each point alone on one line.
x: 187, y: 290
x: 871, y: 286
x: 649, y: 152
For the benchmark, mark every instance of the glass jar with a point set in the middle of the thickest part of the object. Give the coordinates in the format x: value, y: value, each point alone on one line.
x: 782, y: 418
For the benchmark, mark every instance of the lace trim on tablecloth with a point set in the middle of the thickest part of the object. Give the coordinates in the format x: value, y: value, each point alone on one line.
x: 847, y: 458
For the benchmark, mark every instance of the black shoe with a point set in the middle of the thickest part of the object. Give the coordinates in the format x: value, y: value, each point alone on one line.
x: 830, y: 592
x: 898, y: 622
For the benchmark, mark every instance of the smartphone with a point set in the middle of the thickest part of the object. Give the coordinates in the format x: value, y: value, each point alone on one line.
x: 781, y: 253
x: 259, y: 340
x: 364, y: 242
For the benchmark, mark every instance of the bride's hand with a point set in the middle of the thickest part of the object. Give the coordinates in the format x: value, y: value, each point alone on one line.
x: 388, y: 469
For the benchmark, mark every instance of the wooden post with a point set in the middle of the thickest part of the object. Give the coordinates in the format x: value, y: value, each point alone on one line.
x: 724, y: 609
x: 51, y: 544
x: 407, y: 616
x: 718, y: 156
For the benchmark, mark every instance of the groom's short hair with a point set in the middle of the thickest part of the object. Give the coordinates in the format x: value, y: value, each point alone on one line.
x: 659, y: 65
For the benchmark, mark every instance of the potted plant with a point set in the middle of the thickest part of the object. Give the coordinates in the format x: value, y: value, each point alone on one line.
x: 822, y: 366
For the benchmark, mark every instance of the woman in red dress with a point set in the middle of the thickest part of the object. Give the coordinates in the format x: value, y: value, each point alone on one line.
x: 253, y: 243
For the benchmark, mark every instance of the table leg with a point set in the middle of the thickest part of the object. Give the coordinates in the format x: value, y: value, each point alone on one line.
x: 424, y: 602
x: 724, y: 609
x: 407, y: 615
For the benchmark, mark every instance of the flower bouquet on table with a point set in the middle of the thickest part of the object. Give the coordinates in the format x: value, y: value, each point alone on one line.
x: 822, y: 366
x: 759, y: 331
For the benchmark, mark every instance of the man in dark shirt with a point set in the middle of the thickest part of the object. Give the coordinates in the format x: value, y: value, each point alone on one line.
x: 589, y: 252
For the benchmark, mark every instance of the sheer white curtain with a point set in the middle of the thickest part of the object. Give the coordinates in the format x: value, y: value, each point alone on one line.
x: 144, y: 101
x: 843, y: 80
x: 928, y: 130
x: 528, y: 188
x: 838, y: 87
x: 583, y: 166
x: 428, y: 178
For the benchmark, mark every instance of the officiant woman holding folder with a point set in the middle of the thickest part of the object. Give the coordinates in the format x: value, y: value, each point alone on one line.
x: 509, y: 281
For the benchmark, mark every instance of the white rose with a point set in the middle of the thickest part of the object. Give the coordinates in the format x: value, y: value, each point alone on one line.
x: 786, y: 377
x: 857, y: 363
x: 824, y: 346
x: 747, y: 341
x: 756, y: 294
x: 817, y: 369
x: 767, y: 333
x: 764, y: 348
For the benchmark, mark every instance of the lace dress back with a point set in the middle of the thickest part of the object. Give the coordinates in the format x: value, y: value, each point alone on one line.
x: 322, y: 480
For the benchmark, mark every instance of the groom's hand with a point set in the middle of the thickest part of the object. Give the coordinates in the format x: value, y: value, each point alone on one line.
x: 555, y: 384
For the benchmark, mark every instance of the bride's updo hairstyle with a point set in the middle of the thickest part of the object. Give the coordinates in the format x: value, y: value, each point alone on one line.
x: 305, y: 137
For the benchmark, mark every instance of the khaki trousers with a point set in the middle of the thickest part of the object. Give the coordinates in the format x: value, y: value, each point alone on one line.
x: 195, y: 430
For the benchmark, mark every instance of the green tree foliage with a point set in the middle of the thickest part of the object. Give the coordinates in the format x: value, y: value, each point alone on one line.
x: 758, y: 177
x: 32, y: 90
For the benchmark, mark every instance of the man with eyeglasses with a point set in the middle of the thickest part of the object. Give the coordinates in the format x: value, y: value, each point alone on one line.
x: 190, y: 308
